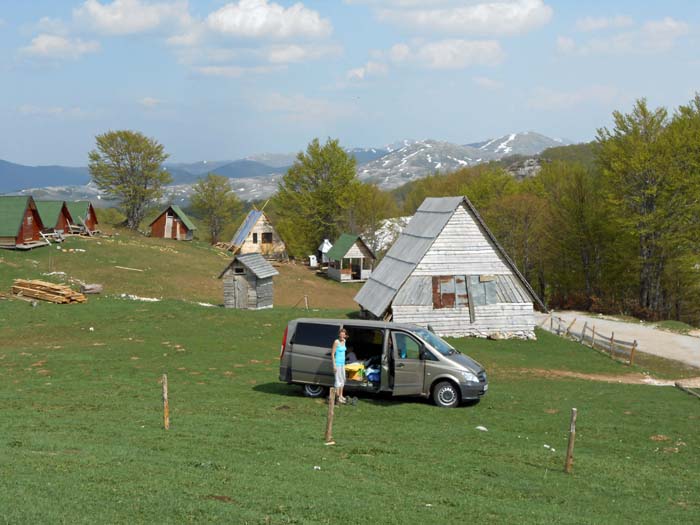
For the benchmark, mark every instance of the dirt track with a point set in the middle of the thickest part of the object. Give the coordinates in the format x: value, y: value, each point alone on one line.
x: 683, y: 348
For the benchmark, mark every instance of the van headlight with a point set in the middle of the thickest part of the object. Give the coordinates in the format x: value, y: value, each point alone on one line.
x: 470, y: 377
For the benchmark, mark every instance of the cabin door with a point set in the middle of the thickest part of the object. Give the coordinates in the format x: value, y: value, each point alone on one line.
x: 241, y: 292
x: 168, y: 226
x: 28, y: 229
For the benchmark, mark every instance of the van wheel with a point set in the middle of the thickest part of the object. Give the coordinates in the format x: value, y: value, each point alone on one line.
x: 446, y: 394
x: 314, y: 390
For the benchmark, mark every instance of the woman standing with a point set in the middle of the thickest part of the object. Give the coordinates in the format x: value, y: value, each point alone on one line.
x: 338, y: 358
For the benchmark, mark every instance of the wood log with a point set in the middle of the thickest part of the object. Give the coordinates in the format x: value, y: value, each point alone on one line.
x: 569, y: 464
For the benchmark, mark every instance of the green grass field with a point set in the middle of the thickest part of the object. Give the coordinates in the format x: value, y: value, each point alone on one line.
x: 81, y: 437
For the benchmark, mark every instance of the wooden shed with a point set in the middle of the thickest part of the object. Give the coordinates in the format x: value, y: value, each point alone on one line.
x: 55, y: 216
x: 248, y: 282
x: 173, y: 223
x: 350, y: 259
x: 20, y: 223
x: 257, y: 235
x: 84, y: 217
x: 447, y: 270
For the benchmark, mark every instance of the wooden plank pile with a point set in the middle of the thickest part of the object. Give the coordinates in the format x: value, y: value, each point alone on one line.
x: 55, y: 293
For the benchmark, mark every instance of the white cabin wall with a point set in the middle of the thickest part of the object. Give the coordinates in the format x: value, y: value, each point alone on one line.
x: 462, y: 248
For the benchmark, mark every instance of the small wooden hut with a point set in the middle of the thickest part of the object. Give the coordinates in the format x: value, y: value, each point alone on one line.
x: 323, y: 249
x: 350, y: 259
x: 55, y: 216
x: 84, y: 217
x: 173, y: 223
x: 20, y: 223
x: 447, y: 270
x: 248, y: 282
x: 257, y: 235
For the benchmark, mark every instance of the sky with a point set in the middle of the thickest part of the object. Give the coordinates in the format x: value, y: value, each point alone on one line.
x: 217, y: 79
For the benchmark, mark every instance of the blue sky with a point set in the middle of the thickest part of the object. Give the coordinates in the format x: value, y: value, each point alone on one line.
x: 217, y: 79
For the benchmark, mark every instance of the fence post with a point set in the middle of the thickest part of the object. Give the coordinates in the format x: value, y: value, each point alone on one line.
x: 569, y: 465
x: 329, y: 421
x: 632, y: 352
x: 568, y: 329
x: 306, y: 302
x: 583, y: 332
x: 612, y: 345
x: 593, y: 338
x: 166, y: 407
x: 551, y: 323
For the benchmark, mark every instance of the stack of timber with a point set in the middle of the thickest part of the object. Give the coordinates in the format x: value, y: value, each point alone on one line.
x: 55, y: 293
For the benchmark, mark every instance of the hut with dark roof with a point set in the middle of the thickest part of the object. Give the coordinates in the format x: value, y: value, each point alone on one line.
x: 248, y: 282
x: 55, y: 216
x: 20, y: 223
x: 173, y: 223
x: 84, y: 217
x: 447, y: 270
x: 257, y: 235
x: 350, y: 259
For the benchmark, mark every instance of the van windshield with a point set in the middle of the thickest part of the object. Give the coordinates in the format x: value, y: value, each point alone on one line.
x: 434, y: 341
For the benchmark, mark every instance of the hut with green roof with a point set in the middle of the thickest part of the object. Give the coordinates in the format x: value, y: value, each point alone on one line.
x: 173, y: 223
x: 55, y: 216
x: 84, y: 217
x: 350, y: 259
x: 20, y: 223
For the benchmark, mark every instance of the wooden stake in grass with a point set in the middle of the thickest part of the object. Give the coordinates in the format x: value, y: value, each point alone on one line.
x: 306, y: 302
x: 583, y: 332
x: 329, y: 422
x: 569, y: 465
x: 612, y: 345
x: 166, y: 408
x: 632, y: 352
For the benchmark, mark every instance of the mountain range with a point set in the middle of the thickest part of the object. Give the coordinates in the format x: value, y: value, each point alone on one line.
x: 257, y: 176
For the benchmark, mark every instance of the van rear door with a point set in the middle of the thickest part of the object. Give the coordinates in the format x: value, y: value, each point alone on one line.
x: 311, y: 352
x: 409, y: 368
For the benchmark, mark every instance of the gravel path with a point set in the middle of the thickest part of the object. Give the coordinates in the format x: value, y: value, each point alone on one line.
x: 683, y: 348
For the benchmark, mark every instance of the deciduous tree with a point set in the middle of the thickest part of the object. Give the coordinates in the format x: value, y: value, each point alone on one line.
x: 127, y: 165
x: 216, y: 203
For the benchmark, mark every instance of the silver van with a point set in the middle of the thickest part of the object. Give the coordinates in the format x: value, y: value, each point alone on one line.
x: 402, y: 359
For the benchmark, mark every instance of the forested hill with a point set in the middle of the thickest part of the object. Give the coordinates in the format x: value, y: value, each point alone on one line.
x: 14, y: 177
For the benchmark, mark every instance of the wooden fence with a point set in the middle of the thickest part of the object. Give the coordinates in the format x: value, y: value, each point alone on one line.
x: 589, y: 336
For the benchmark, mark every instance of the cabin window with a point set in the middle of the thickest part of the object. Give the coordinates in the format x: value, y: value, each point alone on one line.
x: 267, y: 238
x: 30, y: 219
x: 238, y: 270
x: 450, y: 291
x: 255, y: 238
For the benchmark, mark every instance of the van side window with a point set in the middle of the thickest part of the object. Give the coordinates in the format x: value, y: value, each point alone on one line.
x: 315, y: 334
x: 406, y: 346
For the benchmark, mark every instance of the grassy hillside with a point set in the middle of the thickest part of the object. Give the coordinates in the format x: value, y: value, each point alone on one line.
x: 81, y: 438
x: 161, y: 268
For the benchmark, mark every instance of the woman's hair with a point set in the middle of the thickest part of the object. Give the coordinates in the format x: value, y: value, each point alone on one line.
x: 342, y: 331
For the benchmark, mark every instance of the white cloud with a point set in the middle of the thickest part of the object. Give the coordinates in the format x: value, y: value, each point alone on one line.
x: 52, y: 111
x: 655, y: 36
x: 448, y: 54
x: 263, y: 19
x: 370, y: 69
x: 488, y: 83
x: 59, y: 47
x: 286, y: 54
x: 124, y: 17
x: 548, y: 99
x: 301, y: 108
x: 505, y: 17
x: 150, y: 102
x: 591, y: 23
x: 235, y: 71
x: 53, y: 26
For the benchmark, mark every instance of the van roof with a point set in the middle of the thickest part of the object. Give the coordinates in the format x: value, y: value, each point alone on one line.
x: 358, y: 322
